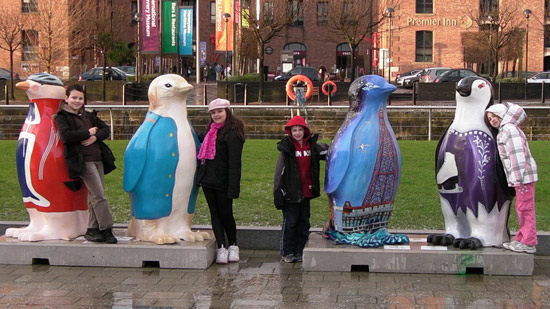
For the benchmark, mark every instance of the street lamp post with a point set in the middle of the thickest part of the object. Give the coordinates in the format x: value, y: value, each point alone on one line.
x: 389, y: 13
x: 226, y: 17
x: 527, y: 13
x: 137, y: 18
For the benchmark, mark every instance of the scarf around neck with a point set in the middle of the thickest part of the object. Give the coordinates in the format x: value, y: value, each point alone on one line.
x: 208, y: 147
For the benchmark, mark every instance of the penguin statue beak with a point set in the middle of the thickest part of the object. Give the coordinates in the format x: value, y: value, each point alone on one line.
x: 464, y: 89
x: 23, y: 85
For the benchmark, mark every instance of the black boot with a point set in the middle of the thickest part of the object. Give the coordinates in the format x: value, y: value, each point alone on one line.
x: 94, y: 235
x: 109, y: 237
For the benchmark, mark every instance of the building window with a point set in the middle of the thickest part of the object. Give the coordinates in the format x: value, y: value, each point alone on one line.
x: 268, y: 12
x: 212, y: 12
x: 424, y: 46
x: 488, y: 7
x: 29, y: 6
x: 30, y: 45
x: 322, y: 12
x: 424, y: 6
x: 296, y: 8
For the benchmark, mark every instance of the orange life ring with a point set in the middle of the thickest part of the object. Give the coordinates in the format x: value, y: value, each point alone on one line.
x: 324, y: 86
x: 302, y: 78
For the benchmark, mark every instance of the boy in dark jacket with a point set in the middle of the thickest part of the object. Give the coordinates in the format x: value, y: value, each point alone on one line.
x: 296, y: 182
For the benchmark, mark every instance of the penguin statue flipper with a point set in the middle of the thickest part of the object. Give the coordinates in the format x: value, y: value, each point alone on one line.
x: 339, y: 161
x: 138, y: 156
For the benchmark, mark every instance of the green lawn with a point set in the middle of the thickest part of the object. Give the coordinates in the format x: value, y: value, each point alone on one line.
x: 416, y: 207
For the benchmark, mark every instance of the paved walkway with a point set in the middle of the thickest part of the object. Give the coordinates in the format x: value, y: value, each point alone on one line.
x: 261, y: 280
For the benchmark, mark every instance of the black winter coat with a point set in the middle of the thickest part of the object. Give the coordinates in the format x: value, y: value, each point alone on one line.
x: 287, y: 187
x: 66, y: 125
x: 224, y: 171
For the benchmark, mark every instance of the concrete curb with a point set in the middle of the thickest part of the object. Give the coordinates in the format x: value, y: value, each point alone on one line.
x: 268, y: 237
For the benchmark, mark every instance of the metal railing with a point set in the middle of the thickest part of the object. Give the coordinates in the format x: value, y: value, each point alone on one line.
x: 408, y: 122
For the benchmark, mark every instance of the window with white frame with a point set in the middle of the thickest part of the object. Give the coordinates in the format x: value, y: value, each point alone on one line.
x: 424, y: 46
x: 322, y: 12
x: 30, y: 45
x: 29, y: 6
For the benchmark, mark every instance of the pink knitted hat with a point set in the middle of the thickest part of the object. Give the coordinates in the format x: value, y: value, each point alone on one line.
x: 218, y: 103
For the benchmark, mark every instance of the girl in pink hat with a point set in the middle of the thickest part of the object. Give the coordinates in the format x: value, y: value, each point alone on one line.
x: 219, y: 175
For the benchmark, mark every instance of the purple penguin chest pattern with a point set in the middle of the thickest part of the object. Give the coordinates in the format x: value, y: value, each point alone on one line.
x: 469, y: 161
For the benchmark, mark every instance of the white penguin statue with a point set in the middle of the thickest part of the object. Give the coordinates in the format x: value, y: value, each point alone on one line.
x: 474, y: 197
x: 159, y: 167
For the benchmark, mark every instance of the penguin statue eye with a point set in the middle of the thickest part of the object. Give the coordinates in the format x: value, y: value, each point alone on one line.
x: 168, y: 85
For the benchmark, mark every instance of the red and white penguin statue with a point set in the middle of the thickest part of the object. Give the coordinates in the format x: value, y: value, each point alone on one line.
x: 57, y: 205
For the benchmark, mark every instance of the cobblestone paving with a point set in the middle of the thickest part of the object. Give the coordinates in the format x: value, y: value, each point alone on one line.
x: 261, y: 280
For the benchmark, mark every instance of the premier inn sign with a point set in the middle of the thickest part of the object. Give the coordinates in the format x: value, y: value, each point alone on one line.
x: 464, y: 21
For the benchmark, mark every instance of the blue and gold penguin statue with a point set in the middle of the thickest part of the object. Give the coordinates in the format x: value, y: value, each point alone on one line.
x: 364, y: 161
x: 159, y: 167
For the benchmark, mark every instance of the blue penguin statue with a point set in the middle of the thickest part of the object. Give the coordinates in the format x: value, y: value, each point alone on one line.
x: 364, y: 161
x: 160, y: 163
x: 475, y: 199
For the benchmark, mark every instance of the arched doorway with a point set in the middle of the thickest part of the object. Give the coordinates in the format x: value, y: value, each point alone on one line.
x: 343, y: 57
x: 298, y: 53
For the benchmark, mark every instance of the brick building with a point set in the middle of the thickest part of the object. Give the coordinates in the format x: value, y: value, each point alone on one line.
x: 428, y: 33
x: 54, y: 22
x: 423, y: 33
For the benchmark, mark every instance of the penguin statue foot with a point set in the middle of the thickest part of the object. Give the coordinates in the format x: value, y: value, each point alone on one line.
x: 471, y: 243
x: 191, y: 236
x: 441, y: 239
x: 150, y: 231
x: 51, y: 225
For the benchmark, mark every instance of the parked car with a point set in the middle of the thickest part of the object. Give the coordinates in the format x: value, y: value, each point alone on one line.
x: 541, y: 77
x: 428, y: 75
x: 454, y: 75
x: 311, y: 73
x: 514, y: 74
x: 406, y: 79
x: 112, y: 73
x: 130, y: 70
x: 6, y: 74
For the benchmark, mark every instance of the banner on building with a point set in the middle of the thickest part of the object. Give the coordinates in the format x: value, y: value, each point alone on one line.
x: 224, y: 26
x: 169, y: 27
x: 185, y: 31
x: 149, y: 26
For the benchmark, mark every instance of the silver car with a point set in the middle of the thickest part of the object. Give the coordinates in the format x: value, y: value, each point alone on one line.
x: 430, y: 74
x: 406, y: 79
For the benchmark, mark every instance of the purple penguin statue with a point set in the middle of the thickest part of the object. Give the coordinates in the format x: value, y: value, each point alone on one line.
x: 474, y: 198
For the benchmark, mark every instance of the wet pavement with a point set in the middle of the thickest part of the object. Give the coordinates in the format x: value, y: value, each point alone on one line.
x: 262, y: 280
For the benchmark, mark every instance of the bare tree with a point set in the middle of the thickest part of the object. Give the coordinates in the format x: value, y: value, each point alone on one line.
x: 499, y: 27
x: 265, y: 25
x: 353, y: 20
x: 95, y: 26
x: 52, y: 24
x: 11, y: 27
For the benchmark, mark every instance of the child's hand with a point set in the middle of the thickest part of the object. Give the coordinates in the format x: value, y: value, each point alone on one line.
x: 92, y: 131
x: 89, y: 141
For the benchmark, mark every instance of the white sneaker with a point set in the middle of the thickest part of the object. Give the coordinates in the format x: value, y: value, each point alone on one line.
x: 221, y: 256
x: 233, y: 254
x: 517, y: 246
